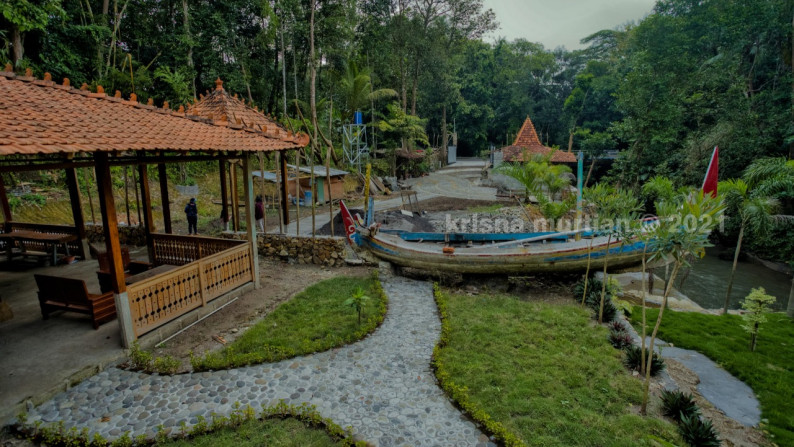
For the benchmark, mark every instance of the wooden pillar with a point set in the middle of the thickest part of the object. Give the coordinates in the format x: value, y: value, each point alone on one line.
x: 113, y: 247
x: 164, y: 197
x: 77, y: 210
x: 224, y: 195
x: 235, y: 196
x: 284, y: 187
x: 4, y: 203
x: 250, y: 219
x: 148, y: 219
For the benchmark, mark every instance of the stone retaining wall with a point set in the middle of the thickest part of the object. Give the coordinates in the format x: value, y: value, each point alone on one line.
x: 320, y: 250
x: 128, y: 235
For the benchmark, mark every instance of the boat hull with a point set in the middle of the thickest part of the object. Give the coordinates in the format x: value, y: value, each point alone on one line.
x: 535, y: 258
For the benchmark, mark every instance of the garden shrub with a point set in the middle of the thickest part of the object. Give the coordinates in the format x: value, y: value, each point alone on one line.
x: 698, y: 432
x: 676, y: 405
x: 633, y: 360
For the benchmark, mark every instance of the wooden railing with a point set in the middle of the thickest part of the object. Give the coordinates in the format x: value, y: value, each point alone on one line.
x: 181, y: 250
x: 162, y: 298
x: 75, y: 247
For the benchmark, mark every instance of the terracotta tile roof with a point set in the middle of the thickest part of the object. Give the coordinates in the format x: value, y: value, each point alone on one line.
x: 527, y: 141
x: 219, y: 103
x: 42, y: 117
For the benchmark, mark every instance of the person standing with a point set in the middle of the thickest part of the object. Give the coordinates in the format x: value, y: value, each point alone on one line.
x: 259, y: 213
x: 191, y: 212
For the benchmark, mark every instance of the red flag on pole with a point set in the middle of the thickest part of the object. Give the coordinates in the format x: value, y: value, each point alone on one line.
x: 710, y: 181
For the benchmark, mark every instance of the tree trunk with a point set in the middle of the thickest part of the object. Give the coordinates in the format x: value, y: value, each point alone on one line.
x: 733, y: 270
x: 444, y: 136
x: 186, y: 29
x: 754, y: 337
x: 790, y: 307
x: 644, y: 323
x: 587, y: 271
x: 646, y: 387
x: 589, y: 171
x: 415, y: 87
x: 604, y: 282
x: 17, y: 44
x: 284, y: 75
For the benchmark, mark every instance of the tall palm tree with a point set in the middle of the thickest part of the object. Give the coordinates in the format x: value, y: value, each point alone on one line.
x: 755, y: 215
x: 355, y: 90
x: 774, y: 177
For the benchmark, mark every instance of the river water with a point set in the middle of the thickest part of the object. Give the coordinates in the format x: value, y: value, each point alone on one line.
x: 707, y: 282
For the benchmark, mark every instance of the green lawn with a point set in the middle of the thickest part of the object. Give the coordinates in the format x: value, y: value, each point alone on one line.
x: 769, y: 371
x: 312, y: 321
x: 545, y: 372
x: 270, y: 432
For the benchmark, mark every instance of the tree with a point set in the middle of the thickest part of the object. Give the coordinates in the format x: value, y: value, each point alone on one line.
x: 755, y: 216
x: 757, y: 305
x: 24, y: 16
x: 681, y: 235
x: 355, y: 90
x: 615, y: 207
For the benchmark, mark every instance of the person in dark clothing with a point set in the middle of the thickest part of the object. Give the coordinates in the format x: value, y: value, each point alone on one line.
x: 191, y: 212
x: 259, y: 213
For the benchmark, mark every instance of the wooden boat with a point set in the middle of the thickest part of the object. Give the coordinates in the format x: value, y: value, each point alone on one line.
x: 527, y: 253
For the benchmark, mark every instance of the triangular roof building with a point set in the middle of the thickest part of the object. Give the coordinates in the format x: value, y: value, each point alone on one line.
x: 527, y: 141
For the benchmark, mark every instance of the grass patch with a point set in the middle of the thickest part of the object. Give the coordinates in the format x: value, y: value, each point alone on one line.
x: 769, y: 371
x: 485, y: 208
x: 272, y: 432
x: 312, y: 321
x: 542, y: 372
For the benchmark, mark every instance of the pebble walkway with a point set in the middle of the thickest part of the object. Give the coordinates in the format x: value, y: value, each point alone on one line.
x: 382, y: 386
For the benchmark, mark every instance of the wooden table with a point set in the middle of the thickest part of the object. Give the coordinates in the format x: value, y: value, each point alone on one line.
x: 48, y: 239
x: 150, y: 273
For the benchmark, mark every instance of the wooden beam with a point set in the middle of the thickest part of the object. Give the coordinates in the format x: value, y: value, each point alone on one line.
x: 113, y: 247
x: 4, y: 202
x: 235, y: 196
x: 250, y: 219
x: 77, y: 210
x: 284, y: 187
x: 166, y: 201
x: 148, y: 219
x: 224, y: 194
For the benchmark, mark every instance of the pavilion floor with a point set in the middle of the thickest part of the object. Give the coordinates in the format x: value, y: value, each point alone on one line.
x: 38, y: 357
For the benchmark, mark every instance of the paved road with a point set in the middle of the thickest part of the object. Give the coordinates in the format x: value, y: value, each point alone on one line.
x: 382, y: 386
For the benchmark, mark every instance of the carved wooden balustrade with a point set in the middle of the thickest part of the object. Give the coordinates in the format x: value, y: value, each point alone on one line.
x: 208, y: 269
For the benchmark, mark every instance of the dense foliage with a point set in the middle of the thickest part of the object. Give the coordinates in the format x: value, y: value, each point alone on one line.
x: 691, y: 75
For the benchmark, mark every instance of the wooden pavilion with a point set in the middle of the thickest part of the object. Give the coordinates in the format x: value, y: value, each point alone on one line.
x: 49, y: 126
x: 219, y: 103
x: 527, y: 142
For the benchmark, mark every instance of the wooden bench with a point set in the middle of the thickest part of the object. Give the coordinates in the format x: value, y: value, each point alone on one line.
x: 130, y: 268
x: 71, y: 295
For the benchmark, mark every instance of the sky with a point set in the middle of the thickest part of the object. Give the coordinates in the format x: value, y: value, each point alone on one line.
x: 557, y: 23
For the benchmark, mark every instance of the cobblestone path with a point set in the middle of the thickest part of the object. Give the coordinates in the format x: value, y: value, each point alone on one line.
x: 382, y: 386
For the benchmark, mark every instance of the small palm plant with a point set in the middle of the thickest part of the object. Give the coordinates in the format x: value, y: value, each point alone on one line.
x: 357, y: 302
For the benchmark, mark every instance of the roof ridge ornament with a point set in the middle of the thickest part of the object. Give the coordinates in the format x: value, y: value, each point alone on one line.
x: 218, y: 84
x: 47, y: 76
x: 117, y: 94
x: 150, y: 101
x: 100, y: 89
x: 166, y: 105
x: 66, y: 82
x: 9, y: 68
x: 84, y: 86
x: 29, y: 72
x: 133, y: 97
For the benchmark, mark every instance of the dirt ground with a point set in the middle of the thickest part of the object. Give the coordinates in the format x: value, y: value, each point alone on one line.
x: 730, y: 432
x: 279, y: 281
